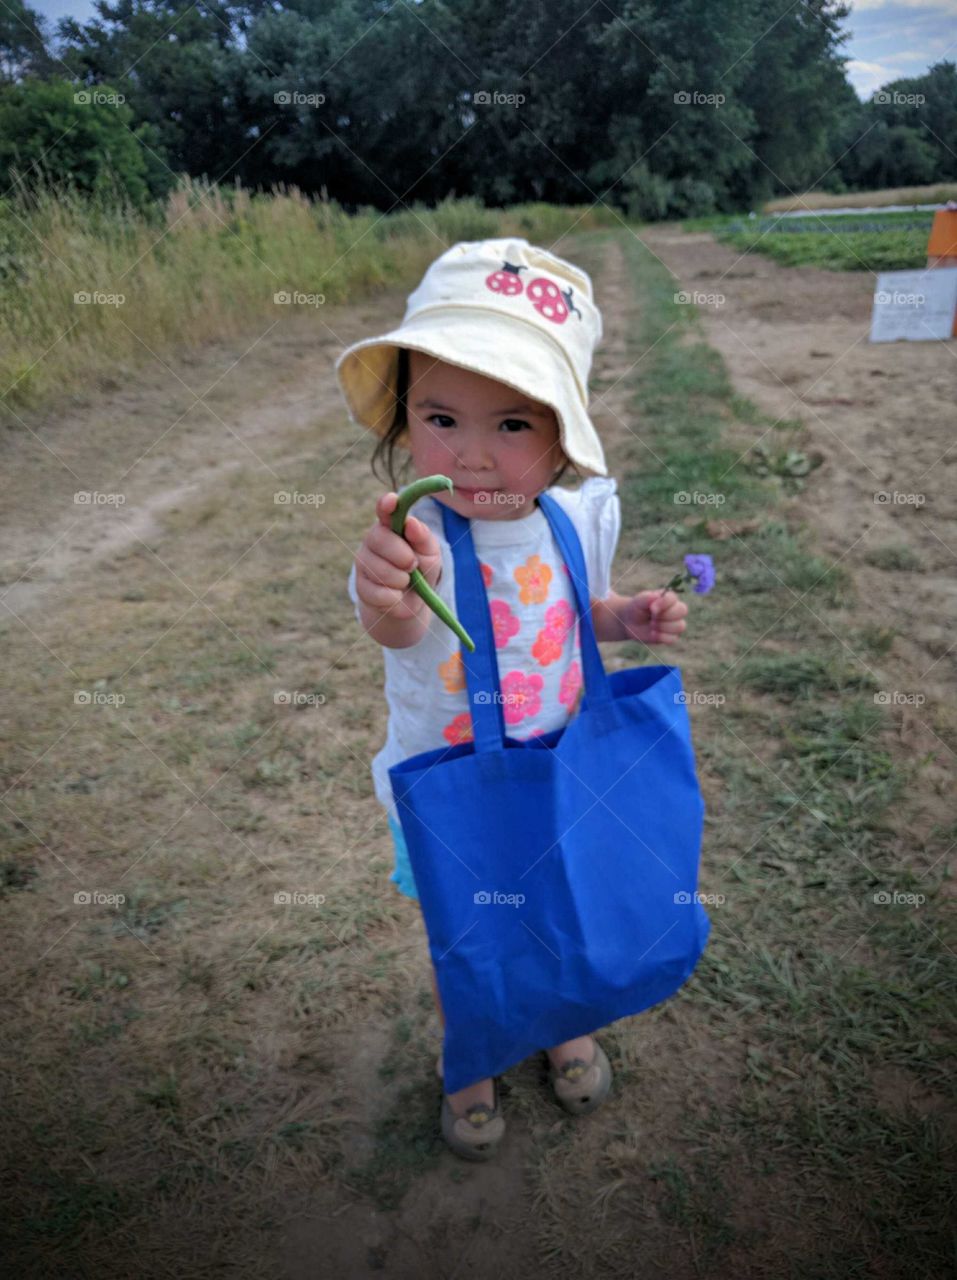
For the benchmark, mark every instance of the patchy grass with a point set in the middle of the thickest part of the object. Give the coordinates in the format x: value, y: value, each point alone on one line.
x: 829, y: 962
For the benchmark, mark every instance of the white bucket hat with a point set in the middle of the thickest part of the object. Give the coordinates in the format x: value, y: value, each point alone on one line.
x: 502, y: 308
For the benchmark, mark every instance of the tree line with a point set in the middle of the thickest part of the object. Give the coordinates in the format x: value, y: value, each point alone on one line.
x: 661, y: 108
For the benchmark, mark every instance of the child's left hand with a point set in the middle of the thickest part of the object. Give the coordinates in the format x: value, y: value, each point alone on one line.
x: 654, y: 617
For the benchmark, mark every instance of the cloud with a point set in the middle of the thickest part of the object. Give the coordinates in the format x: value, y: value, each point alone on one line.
x: 941, y: 8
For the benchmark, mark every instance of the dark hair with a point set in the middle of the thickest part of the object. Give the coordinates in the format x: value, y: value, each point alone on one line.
x: 385, y: 449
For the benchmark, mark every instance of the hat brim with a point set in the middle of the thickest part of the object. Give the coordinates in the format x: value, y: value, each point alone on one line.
x: 368, y: 372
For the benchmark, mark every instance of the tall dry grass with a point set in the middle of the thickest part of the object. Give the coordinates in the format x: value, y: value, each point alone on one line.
x: 207, y: 264
x: 936, y: 193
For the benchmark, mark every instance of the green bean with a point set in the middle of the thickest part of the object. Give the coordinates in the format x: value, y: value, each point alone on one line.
x: 411, y: 493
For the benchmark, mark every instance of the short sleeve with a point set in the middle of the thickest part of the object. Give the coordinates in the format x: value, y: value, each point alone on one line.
x: 351, y: 588
x: 595, y: 511
x: 603, y: 513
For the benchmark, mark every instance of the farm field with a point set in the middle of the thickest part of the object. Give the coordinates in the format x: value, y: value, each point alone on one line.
x: 219, y: 1084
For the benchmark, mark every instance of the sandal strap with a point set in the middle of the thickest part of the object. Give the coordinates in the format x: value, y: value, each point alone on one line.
x: 574, y: 1068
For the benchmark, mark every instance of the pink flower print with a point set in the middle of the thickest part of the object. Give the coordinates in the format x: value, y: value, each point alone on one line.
x: 570, y: 686
x: 559, y: 620
x: 459, y: 729
x: 487, y: 574
x: 547, y: 647
x: 521, y: 696
x: 504, y: 622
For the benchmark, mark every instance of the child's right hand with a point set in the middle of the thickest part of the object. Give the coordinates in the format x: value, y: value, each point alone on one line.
x: 385, y: 560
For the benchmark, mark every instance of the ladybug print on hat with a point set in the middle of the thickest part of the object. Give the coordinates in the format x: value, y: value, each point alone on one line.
x: 550, y: 301
x: 507, y: 280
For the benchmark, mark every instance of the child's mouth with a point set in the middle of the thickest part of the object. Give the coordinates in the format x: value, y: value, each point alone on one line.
x: 475, y: 493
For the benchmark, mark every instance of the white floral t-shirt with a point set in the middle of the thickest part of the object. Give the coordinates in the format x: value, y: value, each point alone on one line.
x: 534, y: 619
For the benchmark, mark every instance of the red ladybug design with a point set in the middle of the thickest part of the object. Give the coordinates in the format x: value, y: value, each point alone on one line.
x: 550, y: 301
x: 507, y: 280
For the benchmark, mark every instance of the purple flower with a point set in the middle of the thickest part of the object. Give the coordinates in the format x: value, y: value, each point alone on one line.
x: 701, y: 569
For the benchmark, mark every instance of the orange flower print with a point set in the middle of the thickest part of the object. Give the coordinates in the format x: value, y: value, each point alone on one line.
x: 459, y: 730
x: 487, y: 574
x: 533, y: 577
x: 547, y: 647
x: 521, y: 696
x: 504, y: 622
x: 453, y: 676
x: 570, y: 686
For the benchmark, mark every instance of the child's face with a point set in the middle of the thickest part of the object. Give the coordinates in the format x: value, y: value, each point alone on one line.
x: 498, y: 447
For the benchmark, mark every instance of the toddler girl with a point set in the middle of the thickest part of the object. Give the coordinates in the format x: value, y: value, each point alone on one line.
x: 485, y: 381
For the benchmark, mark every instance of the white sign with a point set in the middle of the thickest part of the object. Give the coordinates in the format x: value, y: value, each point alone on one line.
x: 915, y: 306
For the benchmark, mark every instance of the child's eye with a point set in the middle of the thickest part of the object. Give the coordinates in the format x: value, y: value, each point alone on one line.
x: 432, y: 418
x: 516, y: 422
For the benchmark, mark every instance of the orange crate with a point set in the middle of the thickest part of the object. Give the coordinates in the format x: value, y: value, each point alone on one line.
x: 942, y: 245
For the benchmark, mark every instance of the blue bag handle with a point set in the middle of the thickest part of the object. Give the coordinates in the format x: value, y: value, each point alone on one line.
x: 471, y: 606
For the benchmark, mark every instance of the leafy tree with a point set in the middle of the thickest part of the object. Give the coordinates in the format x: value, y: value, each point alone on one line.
x: 54, y: 131
x: 176, y: 62
x: 23, y: 50
x: 659, y: 107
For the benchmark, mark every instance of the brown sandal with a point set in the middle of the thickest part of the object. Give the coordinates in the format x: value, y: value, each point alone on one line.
x: 478, y: 1133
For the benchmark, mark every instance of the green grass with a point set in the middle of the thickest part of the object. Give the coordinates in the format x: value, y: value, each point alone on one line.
x: 894, y: 556
x: 865, y: 242
x: 141, y: 269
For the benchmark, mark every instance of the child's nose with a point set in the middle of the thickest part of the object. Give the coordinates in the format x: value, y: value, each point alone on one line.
x: 476, y: 455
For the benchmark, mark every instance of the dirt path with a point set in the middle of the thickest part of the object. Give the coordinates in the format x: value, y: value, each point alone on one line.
x: 882, y: 416
x: 176, y: 435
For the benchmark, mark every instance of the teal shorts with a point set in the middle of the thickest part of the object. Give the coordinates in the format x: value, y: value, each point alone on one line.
x: 402, y: 875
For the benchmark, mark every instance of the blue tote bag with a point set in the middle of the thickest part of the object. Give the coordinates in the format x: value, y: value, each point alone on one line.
x: 557, y: 875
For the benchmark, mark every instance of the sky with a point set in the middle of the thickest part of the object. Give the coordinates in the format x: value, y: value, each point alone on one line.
x: 888, y: 39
